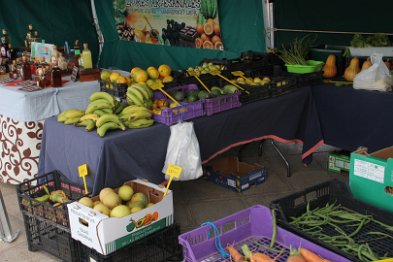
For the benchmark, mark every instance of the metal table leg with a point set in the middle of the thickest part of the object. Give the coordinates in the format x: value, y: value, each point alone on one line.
x: 260, y: 152
x: 6, y: 233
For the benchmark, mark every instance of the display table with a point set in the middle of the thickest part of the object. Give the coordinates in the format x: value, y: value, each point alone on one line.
x: 123, y: 155
x: 22, y: 116
x: 351, y: 118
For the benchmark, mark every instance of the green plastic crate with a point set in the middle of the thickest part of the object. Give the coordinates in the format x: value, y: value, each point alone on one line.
x: 371, y: 177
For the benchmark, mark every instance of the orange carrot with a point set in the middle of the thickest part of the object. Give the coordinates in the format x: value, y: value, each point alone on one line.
x: 260, y: 257
x: 311, y: 256
x: 235, y: 255
x: 295, y: 256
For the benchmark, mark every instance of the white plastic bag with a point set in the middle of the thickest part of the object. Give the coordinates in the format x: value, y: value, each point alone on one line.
x: 183, y: 151
x: 377, y: 77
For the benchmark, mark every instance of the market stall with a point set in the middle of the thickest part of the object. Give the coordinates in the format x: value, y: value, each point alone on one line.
x: 22, y: 116
x: 141, y: 153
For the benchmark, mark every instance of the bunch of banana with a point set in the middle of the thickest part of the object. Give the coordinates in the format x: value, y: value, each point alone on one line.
x: 140, y: 94
x: 70, y: 116
x: 108, y: 122
x: 89, y: 121
x: 101, y: 103
x: 135, y: 116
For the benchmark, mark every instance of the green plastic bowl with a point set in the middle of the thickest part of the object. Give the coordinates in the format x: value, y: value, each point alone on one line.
x: 312, y: 66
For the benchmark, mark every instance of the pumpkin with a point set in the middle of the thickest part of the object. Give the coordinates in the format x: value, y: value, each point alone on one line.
x: 353, y: 68
x: 330, y: 68
x: 366, y: 64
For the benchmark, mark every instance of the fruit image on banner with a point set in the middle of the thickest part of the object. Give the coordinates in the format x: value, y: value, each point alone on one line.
x: 192, y: 23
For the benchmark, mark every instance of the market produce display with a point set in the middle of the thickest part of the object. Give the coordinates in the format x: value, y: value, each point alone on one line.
x: 105, y: 113
x: 347, y: 230
x: 119, y: 203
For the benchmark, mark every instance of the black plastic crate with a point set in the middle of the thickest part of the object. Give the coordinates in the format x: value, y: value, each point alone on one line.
x: 282, y: 85
x: 309, y: 79
x: 255, y: 93
x: 294, y: 205
x: 119, y: 91
x: 29, y: 190
x: 161, y: 246
x: 43, y: 234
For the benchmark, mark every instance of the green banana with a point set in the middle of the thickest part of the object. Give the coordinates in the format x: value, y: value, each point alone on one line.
x: 140, y: 123
x: 103, y: 95
x: 133, y: 99
x: 120, y: 107
x: 107, y: 118
x: 101, y: 131
x: 44, y: 198
x: 137, y: 113
x: 99, y: 112
x: 137, y: 93
x: 72, y: 120
x: 91, y: 116
x: 90, y: 124
x: 97, y: 105
x: 70, y: 113
x: 128, y: 109
x: 132, y: 109
x: 141, y: 89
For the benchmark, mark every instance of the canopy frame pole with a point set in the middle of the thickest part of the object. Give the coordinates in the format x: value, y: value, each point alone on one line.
x: 6, y: 233
x: 268, y: 20
x: 98, y: 29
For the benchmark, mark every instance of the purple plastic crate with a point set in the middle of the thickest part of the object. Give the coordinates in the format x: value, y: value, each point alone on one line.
x: 186, y: 111
x: 222, y: 103
x: 249, y: 226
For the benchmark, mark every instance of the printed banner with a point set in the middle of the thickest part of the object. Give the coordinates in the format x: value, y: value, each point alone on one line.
x: 187, y: 23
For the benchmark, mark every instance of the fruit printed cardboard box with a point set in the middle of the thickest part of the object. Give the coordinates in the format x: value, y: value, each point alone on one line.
x: 128, y: 219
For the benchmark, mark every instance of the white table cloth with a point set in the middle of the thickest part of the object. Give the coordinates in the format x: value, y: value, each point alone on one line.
x: 22, y: 116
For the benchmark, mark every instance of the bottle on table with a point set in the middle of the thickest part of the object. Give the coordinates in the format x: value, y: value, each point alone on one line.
x: 13, y: 70
x: 26, y: 70
x: 85, y: 59
x: 56, y: 77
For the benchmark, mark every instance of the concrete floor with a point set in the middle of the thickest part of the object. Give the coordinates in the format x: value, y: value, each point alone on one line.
x: 198, y: 201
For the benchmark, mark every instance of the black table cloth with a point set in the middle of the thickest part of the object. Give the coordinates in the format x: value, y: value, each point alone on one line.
x: 124, y: 155
x: 351, y: 118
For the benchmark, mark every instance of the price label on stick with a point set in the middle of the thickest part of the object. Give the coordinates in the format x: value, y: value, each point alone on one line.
x: 173, y: 171
x: 83, y: 172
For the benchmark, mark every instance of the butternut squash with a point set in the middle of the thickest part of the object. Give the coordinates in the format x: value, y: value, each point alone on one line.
x: 388, y: 64
x: 353, y: 68
x: 366, y: 64
x: 330, y: 68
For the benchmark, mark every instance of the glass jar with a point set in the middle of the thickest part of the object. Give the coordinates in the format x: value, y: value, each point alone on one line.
x: 56, y: 77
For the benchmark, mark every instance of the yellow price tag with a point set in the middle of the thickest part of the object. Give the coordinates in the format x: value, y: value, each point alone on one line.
x: 172, y: 171
x: 83, y: 172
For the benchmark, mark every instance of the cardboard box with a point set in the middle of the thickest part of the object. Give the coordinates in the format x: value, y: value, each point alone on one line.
x: 108, y: 234
x: 229, y: 172
x: 338, y: 162
x: 371, y: 177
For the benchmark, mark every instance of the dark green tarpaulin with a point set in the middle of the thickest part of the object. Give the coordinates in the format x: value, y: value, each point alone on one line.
x: 332, y: 15
x: 56, y: 21
x: 242, y: 30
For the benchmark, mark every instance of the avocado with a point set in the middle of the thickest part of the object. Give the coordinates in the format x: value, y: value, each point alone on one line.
x: 229, y: 89
x: 179, y: 96
x: 215, y: 93
x: 192, y: 98
x: 203, y: 94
